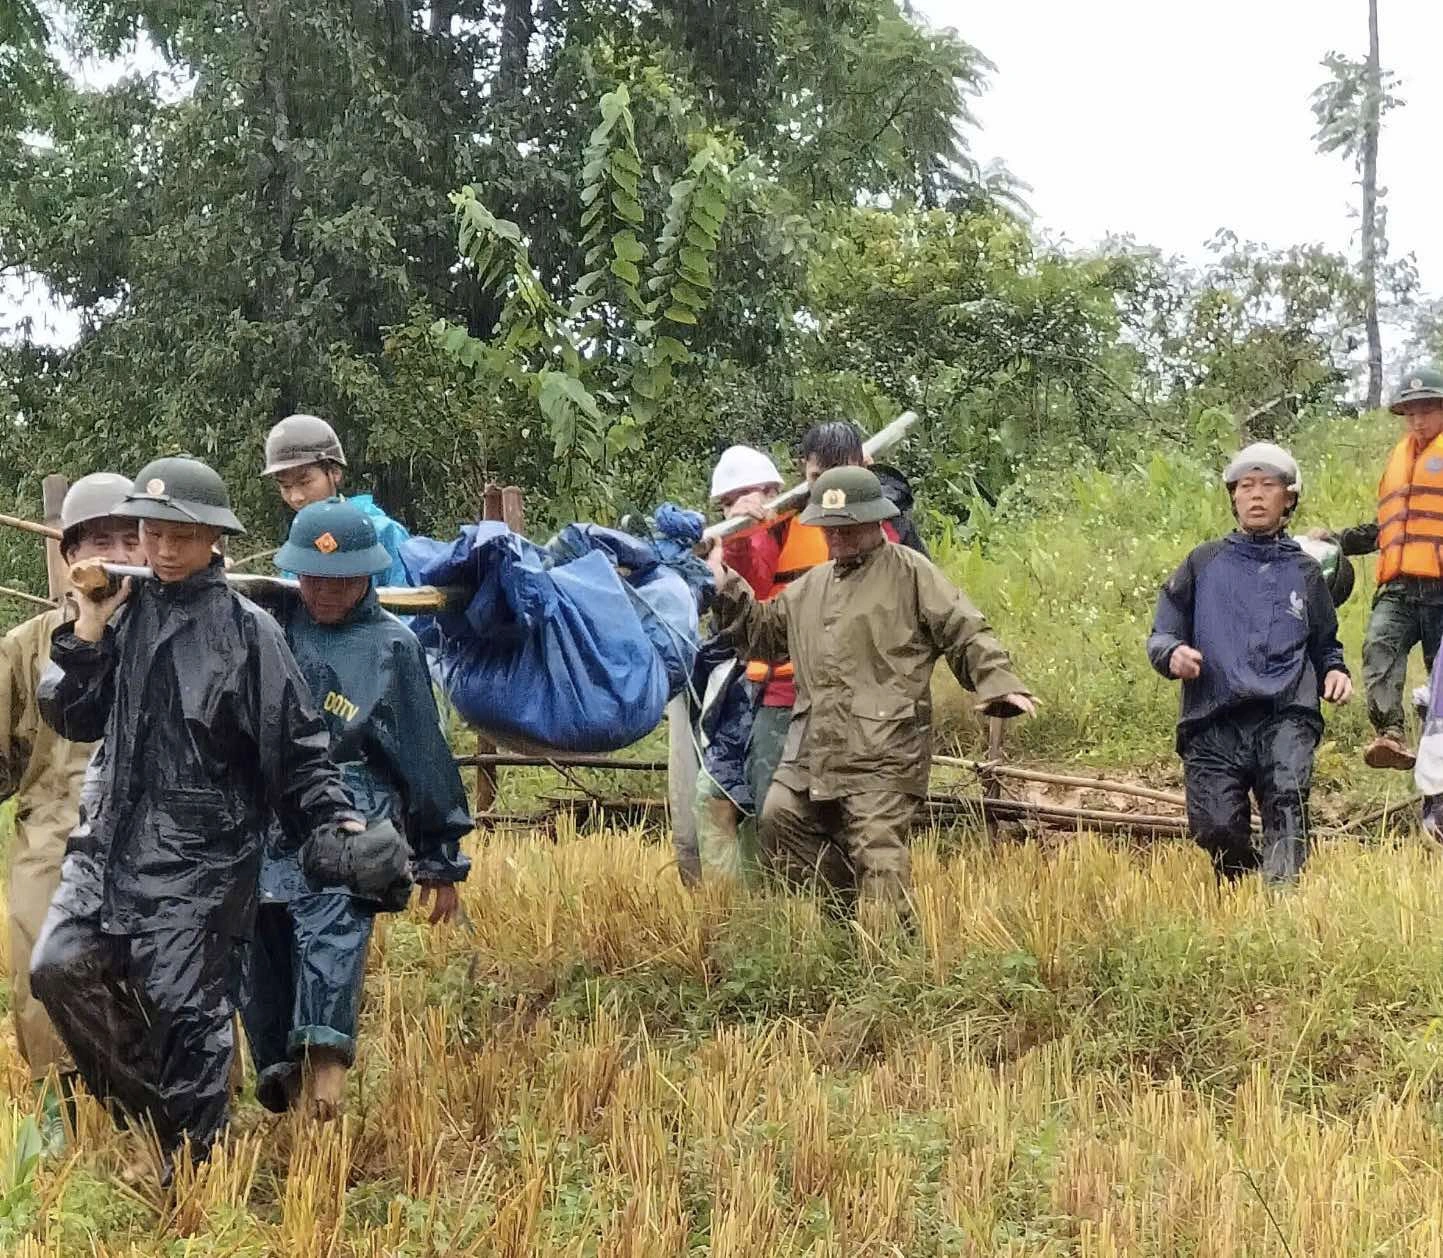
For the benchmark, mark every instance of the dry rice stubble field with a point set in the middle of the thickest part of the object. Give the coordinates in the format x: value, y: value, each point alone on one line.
x: 1089, y: 1051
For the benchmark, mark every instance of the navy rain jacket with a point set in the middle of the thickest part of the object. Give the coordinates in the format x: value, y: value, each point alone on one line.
x: 1259, y: 611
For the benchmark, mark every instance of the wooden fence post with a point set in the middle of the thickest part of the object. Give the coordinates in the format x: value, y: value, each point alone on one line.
x: 52, y: 493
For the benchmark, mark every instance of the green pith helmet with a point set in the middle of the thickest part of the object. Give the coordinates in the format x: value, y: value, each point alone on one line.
x: 299, y: 441
x: 847, y: 495
x: 180, y: 491
x: 93, y: 497
x: 332, y: 539
x: 1419, y: 384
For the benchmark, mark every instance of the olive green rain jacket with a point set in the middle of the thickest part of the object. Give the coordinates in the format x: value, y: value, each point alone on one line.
x: 864, y: 638
x: 44, y: 772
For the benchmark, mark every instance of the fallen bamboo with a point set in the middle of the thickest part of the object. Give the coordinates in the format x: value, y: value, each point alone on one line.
x: 29, y: 526
x: 1022, y: 809
x: 1061, y: 779
x: 500, y: 760
x: 24, y: 596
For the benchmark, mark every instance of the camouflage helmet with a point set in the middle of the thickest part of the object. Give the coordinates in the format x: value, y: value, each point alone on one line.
x: 847, y: 495
x: 93, y: 497
x: 299, y: 441
x: 180, y: 491
x: 1419, y: 384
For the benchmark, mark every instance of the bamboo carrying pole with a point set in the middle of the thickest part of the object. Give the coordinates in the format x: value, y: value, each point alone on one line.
x: 794, y: 499
x: 29, y: 526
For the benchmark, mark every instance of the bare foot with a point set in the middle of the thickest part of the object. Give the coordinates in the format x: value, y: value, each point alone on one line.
x: 325, y: 1085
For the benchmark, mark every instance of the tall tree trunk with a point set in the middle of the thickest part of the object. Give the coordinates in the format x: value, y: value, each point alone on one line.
x: 517, y: 25
x: 1372, y: 109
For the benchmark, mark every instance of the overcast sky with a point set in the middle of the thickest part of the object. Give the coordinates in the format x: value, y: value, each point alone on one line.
x: 1169, y: 119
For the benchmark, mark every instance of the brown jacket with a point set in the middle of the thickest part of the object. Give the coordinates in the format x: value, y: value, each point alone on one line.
x: 864, y: 640
x: 44, y: 772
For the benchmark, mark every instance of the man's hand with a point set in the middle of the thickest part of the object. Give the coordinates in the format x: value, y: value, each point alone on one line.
x: 1322, y: 535
x: 447, y: 901
x: 98, y: 600
x: 1026, y: 705
x: 714, y: 562
x: 1185, y: 663
x: 750, y: 506
x: 1337, y: 687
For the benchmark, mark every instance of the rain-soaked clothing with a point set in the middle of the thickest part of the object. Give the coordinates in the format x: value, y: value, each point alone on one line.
x: 43, y: 772
x: 1407, y: 612
x: 1259, y: 612
x: 209, y: 730
x: 1270, y: 755
x: 308, y: 957
x: 863, y: 637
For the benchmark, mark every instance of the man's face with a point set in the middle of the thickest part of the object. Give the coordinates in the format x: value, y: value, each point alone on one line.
x: 847, y: 541
x: 112, y: 539
x: 761, y: 492
x: 1424, y: 420
x: 1261, y: 501
x: 331, y: 599
x: 177, y: 551
x: 301, y: 486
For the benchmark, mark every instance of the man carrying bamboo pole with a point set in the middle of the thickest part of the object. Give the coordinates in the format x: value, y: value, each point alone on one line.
x: 208, y: 730
x: 42, y: 770
x: 864, y: 631
x: 1248, y: 626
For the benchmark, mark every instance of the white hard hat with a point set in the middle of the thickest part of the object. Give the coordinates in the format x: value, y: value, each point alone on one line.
x: 1264, y: 456
x: 741, y: 467
x: 92, y: 497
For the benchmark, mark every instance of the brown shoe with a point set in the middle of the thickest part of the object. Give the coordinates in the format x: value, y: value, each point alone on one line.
x: 1388, y: 752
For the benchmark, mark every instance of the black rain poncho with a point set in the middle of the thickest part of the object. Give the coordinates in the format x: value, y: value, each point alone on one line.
x: 209, y: 729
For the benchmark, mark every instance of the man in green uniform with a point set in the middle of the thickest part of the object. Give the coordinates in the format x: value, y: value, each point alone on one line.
x: 863, y: 631
x: 42, y: 770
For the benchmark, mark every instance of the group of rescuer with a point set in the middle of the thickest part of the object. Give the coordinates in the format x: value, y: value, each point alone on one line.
x: 214, y: 800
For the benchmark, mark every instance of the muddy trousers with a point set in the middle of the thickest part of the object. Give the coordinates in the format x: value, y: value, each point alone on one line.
x: 306, y: 970
x: 1407, y: 612
x: 855, y: 848
x: 1259, y: 753
x: 148, y: 1019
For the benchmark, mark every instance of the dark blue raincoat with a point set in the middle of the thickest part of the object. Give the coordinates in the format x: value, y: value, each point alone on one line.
x: 369, y: 677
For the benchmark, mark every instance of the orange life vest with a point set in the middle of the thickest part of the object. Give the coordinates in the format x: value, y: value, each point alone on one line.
x: 804, y: 547
x: 1410, y: 512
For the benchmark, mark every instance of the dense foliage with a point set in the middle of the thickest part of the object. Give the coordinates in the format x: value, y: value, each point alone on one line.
x: 582, y: 245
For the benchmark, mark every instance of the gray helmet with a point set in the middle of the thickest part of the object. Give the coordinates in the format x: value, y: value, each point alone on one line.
x: 1419, y: 384
x: 300, y: 440
x: 847, y: 495
x: 181, y: 491
x: 93, y: 497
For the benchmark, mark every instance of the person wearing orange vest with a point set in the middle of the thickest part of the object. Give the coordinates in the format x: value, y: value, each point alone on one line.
x: 771, y: 559
x: 1408, y: 536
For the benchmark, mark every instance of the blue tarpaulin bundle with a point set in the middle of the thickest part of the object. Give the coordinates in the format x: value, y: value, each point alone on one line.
x: 577, y: 644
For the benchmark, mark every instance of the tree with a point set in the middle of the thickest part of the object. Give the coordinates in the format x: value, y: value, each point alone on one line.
x: 1349, y: 109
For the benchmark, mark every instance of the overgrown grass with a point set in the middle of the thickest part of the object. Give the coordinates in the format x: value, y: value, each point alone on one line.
x: 1089, y: 1050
